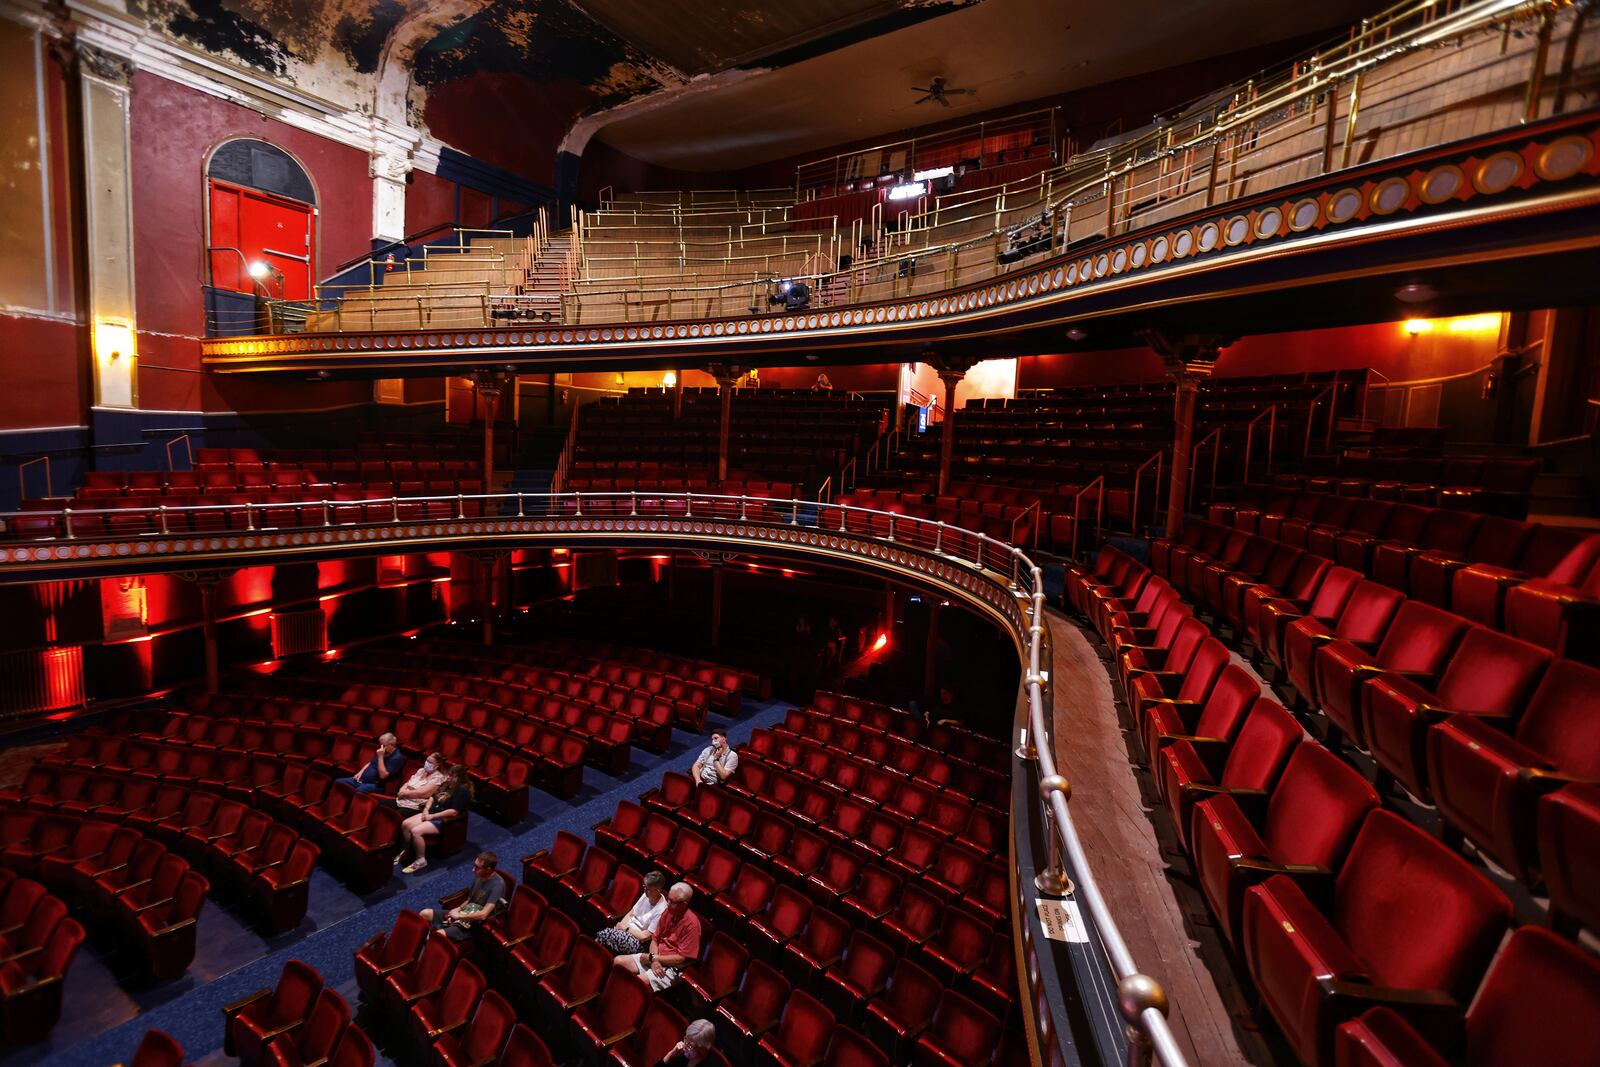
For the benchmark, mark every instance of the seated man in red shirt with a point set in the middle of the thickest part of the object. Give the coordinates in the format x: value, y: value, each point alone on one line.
x: 676, y: 943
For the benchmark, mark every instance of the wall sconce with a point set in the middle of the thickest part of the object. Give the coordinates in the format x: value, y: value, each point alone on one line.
x: 1415, y: 327
x: 668, y: 380
x: 112, y: 341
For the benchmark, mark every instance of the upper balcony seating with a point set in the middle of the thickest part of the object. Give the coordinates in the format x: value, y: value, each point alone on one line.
x: 1491, y: 486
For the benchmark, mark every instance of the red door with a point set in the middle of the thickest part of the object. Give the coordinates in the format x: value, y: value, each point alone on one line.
x: 248, y: 227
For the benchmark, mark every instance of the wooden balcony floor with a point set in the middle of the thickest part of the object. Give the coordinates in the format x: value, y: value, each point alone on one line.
x: 1156, y: 909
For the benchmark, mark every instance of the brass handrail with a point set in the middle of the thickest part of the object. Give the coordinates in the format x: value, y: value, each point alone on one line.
x: 188, y: 449
x: 22, y: 480
x: 1214, y: 439
x: 1270, y: 413
x: 1138, y: 476
x: 1098, y: 484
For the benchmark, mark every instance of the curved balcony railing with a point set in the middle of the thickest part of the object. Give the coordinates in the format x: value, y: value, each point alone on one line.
x: 986, y: 572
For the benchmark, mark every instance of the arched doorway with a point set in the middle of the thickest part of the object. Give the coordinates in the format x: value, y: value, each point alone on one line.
x: 263, y: 221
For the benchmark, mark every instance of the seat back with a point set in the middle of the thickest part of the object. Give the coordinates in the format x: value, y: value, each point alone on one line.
x: 964, y: 1032
x: 404, y: 940
x: 1416, y: 913
x: 805, y: 1028
x: 1263, y: 747
x: 866, y: 961
x: 1231, y: 696
x: 295, y: 993
x: 524, y: 1049
x: 587, y: 969
x: 1420, y: 638
x: 659, y: 1032
x: 846, y: 1048
x: 1491, y: 673
x: 461, y: 994
x: 621, y: 1004
x: 762, y: 995
x: 787, y: 912
x: 329, y: 1016
x: 490, y: 1029
x: 1539, y: 1003
x: 1561, y: 718
x: 557, y: 934
x: 723, y: 966
x: 913, y: 994
x: 1314, y: 813
x: 158, y: 1049
x: 1333, y: 592
x: 1368, y: 613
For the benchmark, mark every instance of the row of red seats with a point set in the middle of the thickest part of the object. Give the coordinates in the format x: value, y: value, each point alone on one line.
x: 605, y: 654
x: 298, y: 1023
x: 360, y: 851
x: 153, y: 906
x: 336, y: 737
x: 853, y: 975
x: 507, y: 715
x: 1496, y: 486
x: 232, y: 842
x: 1540, y: 583
x: 1366, y: 937
x: 38, y: 942
x: 942, y: 738
x: 881, y: 771
x: 623, y: 478
x: 1496, y: 732
x: 501, y: 772
x: 552, y: 695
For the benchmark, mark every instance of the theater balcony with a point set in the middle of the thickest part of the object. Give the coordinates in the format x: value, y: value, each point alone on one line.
x: 1443, y: 143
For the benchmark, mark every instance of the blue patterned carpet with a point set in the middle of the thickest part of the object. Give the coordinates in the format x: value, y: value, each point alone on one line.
x: 103, y: 1022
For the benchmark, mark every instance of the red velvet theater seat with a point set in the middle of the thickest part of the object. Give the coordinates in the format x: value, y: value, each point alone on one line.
x: 1497, y: 543
x: 483, y: 1039
x: 1189, y: 684
x: 1562, y: 617
x: 960, y: 1035
x: 1569, y: 855
x: 743, y: 1019
x: 1488, y: 674
x: 250, y: 1024
x: 1409, y: 920
x: 1561, y: 554
x: 614, y: 1015
x: 1362, y: 623
x: 384, y: 954
x: 1486, y: 783
x: 1215, y: 717
x: 901, y: 1013
x: 1190, y: 769
x: 846, y: 1048
x: 657, y: 1034
x: 707, y: 982
x: 1416, y: 645
x: 314, y: 1042
x: 802, y: 1035
x: 1322, y: 602
x: 1306, y: 822
x: 1539, y: 1006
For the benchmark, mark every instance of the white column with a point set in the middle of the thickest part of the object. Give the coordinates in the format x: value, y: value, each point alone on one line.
x: 109, y: 214
x: 388, y: 168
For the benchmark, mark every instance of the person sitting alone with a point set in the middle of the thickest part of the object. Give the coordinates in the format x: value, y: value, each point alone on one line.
x: 452, y: 801
x: 484, y: 896
x: 822, y: 384
x: 635, y: 929
x: 717, y: 761
x: 698, y: 1039
x: 676, y: 943
x: 423, y: 784
x: 386, y: 762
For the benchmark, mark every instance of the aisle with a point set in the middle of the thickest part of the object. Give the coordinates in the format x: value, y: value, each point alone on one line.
x: 1120, y: 841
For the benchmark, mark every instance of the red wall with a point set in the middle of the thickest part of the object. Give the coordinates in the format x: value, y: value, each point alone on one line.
x: 430, y: 200
x: 46, y: 373
x: 491, y: 116
x: 1386, y: 347
x: 173, y: 129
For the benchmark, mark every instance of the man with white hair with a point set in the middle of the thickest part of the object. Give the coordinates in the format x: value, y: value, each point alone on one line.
x: 387, y: 761
x: 676, y: 943
x: 698, y: 1038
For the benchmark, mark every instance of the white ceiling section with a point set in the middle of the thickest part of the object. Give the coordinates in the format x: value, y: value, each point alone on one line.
x: 1009, y: 51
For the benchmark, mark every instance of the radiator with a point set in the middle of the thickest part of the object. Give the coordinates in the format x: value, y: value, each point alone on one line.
x: 294, y: 632
x: 41, y: 680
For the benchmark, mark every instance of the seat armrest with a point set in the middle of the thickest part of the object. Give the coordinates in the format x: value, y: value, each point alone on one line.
x: 1188, y: 711
x: 230, y: 1010
x: 1213, y: 751
x: 1438, y: 1017
x: 1315, y: 882
x: 614, y: 1038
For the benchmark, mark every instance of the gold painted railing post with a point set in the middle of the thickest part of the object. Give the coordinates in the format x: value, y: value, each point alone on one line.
x: 1541, y: 51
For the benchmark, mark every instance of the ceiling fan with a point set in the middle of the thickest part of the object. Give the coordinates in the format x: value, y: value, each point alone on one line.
x: 935, y: 90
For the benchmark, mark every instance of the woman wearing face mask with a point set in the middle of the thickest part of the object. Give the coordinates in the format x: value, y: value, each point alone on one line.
x: 421, y: 785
